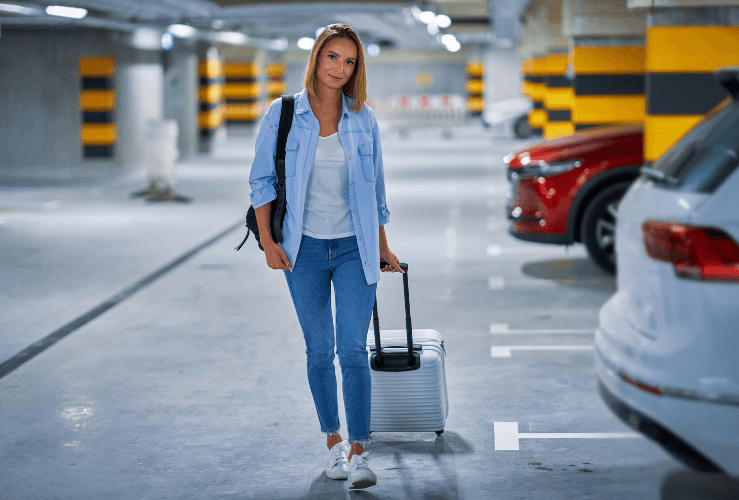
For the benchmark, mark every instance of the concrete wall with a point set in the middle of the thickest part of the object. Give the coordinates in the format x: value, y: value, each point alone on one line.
x: 40, y: 115
x: 39, y: 104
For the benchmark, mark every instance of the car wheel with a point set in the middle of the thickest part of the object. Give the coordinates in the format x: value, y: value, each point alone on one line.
x: 598, y: 231
x: 521, y: 128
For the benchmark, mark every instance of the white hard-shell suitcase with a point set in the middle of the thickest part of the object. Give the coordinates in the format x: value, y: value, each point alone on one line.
x: 408, y: 385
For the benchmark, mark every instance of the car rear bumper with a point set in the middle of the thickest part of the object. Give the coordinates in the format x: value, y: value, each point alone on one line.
x: 701, y: 434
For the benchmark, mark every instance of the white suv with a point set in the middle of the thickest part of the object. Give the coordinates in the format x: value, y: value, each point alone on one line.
x: 668, y: 342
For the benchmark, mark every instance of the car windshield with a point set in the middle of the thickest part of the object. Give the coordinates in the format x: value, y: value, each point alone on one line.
x: 706, y: 155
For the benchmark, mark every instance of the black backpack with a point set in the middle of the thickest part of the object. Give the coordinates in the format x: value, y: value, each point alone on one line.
x: 280, y: 203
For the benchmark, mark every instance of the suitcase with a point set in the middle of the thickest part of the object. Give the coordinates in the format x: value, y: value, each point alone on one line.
x: 408, y: 378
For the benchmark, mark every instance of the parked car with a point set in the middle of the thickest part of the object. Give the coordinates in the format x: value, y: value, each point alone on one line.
x: 567, y: 190
x: 510, y: 116
x: 667, y: 348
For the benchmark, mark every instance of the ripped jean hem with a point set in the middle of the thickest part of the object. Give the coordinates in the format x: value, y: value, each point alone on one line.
x: 364, y: 442
x: 333, y: 432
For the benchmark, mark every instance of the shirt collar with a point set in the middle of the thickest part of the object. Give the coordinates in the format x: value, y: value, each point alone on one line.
x: 302, y: 104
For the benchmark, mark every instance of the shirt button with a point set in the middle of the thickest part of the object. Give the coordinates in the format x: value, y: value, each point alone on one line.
x: 350, y: 157
x: 360, y: 239
x: 352, y: 183
x: 353, y: 210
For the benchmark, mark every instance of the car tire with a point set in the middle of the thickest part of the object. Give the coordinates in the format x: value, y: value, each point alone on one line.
x: 521, y: 128
x: 598, y: 227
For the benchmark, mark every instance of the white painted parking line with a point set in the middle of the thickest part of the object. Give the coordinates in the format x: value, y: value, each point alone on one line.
x: 496, y: 283
x: 507, y: 436
x: 504, y: 351
x: 498, y: 250
x: 499, y: 283
x: 502, y: 328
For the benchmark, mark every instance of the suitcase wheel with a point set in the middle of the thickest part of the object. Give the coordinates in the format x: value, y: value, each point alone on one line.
x: 439, y: 433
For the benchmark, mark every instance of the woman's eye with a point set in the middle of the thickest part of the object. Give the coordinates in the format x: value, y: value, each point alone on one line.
x: 350, y: 62
x: 331, y: 56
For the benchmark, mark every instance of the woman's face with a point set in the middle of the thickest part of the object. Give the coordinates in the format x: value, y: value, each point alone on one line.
x: 335, y: 64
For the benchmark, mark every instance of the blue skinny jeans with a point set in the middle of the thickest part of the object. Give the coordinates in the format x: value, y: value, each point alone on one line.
x: 319, y: 264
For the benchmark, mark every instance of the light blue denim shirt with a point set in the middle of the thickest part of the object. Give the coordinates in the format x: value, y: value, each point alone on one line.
x: 361, y: 140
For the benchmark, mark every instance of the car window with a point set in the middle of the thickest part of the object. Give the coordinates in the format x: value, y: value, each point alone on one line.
x: 706, y: 155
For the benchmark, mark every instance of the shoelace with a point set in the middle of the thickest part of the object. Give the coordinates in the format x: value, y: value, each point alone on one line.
x: 361, y: 462
x: 338, y: 456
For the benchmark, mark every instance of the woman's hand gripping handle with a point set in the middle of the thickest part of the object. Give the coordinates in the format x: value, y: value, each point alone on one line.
x: 275, y: 255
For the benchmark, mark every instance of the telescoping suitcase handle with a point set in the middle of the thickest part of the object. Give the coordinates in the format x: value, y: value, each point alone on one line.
x: 396, y: 362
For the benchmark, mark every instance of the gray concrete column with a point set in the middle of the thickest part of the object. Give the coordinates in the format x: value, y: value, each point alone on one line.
x: 181, y: 84
x: 684, y: 47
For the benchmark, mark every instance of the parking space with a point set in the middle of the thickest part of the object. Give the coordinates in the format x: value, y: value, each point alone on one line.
x: 194, y: 385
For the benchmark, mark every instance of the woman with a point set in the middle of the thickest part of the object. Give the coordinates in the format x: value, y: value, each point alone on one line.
x: 333, y: 234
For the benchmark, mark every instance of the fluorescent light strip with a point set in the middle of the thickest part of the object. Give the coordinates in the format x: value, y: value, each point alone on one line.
x: 17, y: 9
x: 70, y: 12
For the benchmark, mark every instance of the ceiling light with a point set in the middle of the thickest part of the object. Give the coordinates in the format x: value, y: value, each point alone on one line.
x: 167, y: 41
x: 319, y: 31
x: 306, y: 43
x: 217, y: 24
x: 416, y: 12
x: 454, y: 47
x: 17, y: 9
x: 433, y: 29
x: 443, y: 21
x: 448, y: 38
x: 373, y: 50
x: 232, y: 37
x: 427, y: 17
x: 70, y: 12
x: 182, y: 30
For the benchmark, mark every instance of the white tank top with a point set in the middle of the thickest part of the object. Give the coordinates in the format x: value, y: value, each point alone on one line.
x: 327, y: 214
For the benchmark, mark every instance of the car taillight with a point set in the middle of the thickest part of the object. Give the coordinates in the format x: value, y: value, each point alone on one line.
x: 696, y: 252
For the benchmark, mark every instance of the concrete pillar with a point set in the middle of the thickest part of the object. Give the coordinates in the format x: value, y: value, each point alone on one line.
x: 181, y: 84
x: 607, y: 61
x: 684, y: 47
x: 537, y: 90
x: 608, y: 81
x: 242, y: 90
x: 275, y: 72
x: 558, y: 99
x: 475, y: 86
x: 210, y: 97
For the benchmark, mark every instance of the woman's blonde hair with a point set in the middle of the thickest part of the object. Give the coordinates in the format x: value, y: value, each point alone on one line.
x: 356, y: 87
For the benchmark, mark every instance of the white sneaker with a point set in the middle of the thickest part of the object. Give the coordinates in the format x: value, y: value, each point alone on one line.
x: 337, y: 467
x: 360, y: 475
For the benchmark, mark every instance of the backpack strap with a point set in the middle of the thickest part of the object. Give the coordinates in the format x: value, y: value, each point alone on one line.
x: 286, y: 121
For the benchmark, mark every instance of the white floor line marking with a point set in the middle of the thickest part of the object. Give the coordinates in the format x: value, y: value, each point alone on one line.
x: 505, y: 351
x: 499, y: 283
x: 496, y: 283
x: 507, y: 436
x: 494, y: 250
x: 497, y: 250
x: 496, y: 328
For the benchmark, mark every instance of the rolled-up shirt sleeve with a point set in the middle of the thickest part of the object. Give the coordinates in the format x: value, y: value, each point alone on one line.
x: 383, y: 214
x: 263, y: 177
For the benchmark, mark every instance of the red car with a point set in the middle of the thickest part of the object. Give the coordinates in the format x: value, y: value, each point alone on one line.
x: 567, y: 190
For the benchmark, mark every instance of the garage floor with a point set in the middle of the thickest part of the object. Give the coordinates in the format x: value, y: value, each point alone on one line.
x: 191, y: 383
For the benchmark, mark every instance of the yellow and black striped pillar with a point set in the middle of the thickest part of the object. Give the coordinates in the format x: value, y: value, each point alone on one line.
x: 537, y: 91
x: 475, y: 88
x: 275, y: 73
x: 241, y: 91
x: 210, y: 97
x: 98, y: 133
x: 680, y: 87
x: 608, y: 84
x: 558, y: 98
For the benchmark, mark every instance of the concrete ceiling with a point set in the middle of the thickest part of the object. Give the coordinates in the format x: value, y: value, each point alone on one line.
x: 390, y: 23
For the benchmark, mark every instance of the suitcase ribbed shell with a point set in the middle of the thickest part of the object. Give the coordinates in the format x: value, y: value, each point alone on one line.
x: 412, y: 401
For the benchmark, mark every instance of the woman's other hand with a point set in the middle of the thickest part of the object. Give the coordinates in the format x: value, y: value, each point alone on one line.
x: 276, y: 258
x: 390, y: 258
